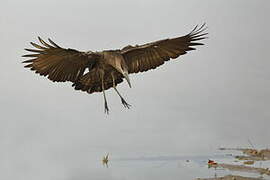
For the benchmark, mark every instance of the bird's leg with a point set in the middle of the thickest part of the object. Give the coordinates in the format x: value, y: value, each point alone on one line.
x: 126, y: 105
x: 105, y: 100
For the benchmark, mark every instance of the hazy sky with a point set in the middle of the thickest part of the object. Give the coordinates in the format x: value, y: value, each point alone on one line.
x: 218, y: 95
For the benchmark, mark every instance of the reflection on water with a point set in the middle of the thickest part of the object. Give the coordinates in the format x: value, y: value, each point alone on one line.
x: 105, y: 160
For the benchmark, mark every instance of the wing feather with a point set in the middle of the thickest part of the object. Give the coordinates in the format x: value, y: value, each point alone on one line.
x: 59, y: 64
x: 149, y: 56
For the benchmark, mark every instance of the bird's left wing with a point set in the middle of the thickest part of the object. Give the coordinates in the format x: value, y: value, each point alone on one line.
x: 58, y: 63
x: 149, y: 56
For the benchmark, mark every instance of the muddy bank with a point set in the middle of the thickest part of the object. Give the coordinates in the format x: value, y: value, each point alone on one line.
x: 252, y: 154
x: 249, y: 157
x: 243, y: 168
x: 230, y: 177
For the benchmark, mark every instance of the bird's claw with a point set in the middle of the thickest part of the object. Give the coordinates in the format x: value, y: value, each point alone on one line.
x: 106, y: 110
x: 126, y: 105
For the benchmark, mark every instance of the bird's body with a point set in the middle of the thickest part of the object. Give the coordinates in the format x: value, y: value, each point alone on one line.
x: 98, y: 71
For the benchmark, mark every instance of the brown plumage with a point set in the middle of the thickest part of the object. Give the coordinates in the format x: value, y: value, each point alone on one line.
x: 106, y: 69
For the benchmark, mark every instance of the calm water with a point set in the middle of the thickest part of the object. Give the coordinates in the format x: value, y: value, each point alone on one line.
x: 165, y: 167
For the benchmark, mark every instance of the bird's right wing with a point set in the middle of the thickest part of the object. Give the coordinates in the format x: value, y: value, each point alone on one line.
x: 57, y: 63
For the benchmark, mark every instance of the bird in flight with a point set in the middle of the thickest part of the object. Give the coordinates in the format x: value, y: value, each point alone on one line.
x: 98, y: 71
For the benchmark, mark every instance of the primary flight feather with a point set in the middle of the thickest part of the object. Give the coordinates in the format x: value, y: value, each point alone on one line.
x: 98, y: 71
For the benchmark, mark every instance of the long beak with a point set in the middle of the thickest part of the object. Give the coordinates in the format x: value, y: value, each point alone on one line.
x: 125, y: 74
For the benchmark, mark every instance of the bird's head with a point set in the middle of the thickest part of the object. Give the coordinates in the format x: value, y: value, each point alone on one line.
x: 117, y: 61
x: 123, y: 69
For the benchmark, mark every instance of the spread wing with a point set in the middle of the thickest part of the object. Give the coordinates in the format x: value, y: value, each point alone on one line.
x: 57, y: 63
x: 149, y: 56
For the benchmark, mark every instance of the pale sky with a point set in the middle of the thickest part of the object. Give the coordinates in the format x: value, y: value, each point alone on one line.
x: 218, y: 95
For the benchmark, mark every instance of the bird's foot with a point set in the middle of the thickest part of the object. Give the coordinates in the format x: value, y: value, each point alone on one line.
x: 106, y: 110
x: 126, y: 105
